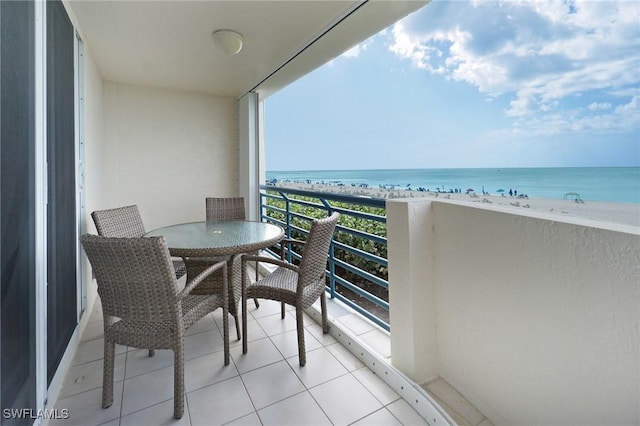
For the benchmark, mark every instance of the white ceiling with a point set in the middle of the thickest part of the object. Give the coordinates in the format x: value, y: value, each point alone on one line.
x: 169, y: 43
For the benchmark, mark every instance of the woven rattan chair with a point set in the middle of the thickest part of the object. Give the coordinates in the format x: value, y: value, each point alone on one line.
x: 125, y: 222
x: 229, y: 208
x: 217, y: 209
x: 225, y: 208
x: 298, y: 286
x: 142, y: 305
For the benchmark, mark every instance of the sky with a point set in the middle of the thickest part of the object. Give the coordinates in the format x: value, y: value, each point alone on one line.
x: 461, y: 84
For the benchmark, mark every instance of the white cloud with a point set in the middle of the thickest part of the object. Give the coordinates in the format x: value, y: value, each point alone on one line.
x: 595, y: 118
x: 559, y: 62
x: 631, y: 107
x: 355, y: 51
x: 599, y: 106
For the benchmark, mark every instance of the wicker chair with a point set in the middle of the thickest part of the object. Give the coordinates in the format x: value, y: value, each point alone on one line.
x: 142, y: 305
x: 125, y: 222
x: 298, y: 286
x: 217, y: 209
x: 230, y: 208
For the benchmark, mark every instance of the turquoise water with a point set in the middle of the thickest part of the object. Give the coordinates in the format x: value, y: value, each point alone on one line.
x: 610, y: 184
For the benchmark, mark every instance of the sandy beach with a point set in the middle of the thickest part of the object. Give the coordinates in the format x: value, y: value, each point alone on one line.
x: 619, y: 213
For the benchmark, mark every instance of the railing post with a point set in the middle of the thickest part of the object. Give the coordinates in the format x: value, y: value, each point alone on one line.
x: 332, y: 264
x: 287, y: 208
x: 332, y: 271
x: 261, y: 206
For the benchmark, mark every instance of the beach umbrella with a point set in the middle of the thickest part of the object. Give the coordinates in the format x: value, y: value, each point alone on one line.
x: 469, y: 189
x: 500, y: 190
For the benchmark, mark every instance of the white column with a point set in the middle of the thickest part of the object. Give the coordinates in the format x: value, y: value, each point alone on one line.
x: 412, y: 290
x: 249, y: 152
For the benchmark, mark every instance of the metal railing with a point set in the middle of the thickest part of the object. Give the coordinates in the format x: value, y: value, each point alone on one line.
x: 357, y: 260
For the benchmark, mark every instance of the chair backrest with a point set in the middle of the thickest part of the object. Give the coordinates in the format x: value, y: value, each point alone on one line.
x: 123, y: 222
x: 229, y: 208
x: 135, y: 276
x: 314, y: 255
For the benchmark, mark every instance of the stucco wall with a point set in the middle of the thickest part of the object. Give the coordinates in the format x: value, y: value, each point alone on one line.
x: 166, y: 151
x: 537, y: 320
x: 96, y: 172
x: 95, y: 169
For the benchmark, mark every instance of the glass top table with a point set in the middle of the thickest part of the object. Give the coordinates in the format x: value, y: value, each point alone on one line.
x: 219, y: 238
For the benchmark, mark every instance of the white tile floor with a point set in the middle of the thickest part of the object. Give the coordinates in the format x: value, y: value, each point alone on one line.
x: 265, y: 386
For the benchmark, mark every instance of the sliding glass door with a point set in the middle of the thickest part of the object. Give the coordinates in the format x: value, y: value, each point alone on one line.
x: 17, y: 209
x: 29, y: 354
x: 61, y: 203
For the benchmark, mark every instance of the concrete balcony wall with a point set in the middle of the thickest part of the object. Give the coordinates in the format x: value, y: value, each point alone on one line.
x: 536, y: 320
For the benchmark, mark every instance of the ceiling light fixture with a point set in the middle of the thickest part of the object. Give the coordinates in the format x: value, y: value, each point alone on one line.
x: 229, y: 41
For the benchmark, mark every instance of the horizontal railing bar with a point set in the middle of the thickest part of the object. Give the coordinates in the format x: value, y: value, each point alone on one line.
x: 308, y: 204
x: 363, y: 274
x: 365, y: 255
x: 360, y: 292
x: 273, y: 220
x: 268, y: 195
x: 361, y: 215
x: 277, y: 209
x: 378, y: 321
x: 301, y: 217
x: 354, y: 213
x: 372, y: 237
x: 355, y: 199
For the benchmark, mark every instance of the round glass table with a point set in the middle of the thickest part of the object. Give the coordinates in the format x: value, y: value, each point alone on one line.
x: 201, y: 243
x: 220, y: 238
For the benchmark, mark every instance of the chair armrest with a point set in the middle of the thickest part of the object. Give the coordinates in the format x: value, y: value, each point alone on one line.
x: 292, y: 241
x: 271, y: 260
x: 202, y: 275
x: 289, y: 241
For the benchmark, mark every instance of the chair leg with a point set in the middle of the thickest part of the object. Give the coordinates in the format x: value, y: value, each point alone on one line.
x: 225, y: 315
x: 323, y: 308
x: 255, y: 301
x: 302, y: 355
x: 107, y: 373
x: 178, y: 380
x: 232, y: 281
x: 152, y: 352
x: 235, y: 317
x: 282, y: 310
x: 243, y: 299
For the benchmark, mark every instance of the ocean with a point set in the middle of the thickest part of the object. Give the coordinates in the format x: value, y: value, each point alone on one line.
x: 609, y: 184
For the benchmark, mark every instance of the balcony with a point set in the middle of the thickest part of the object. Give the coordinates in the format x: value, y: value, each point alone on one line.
x: 530, y: 318
x: 543, y: 313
